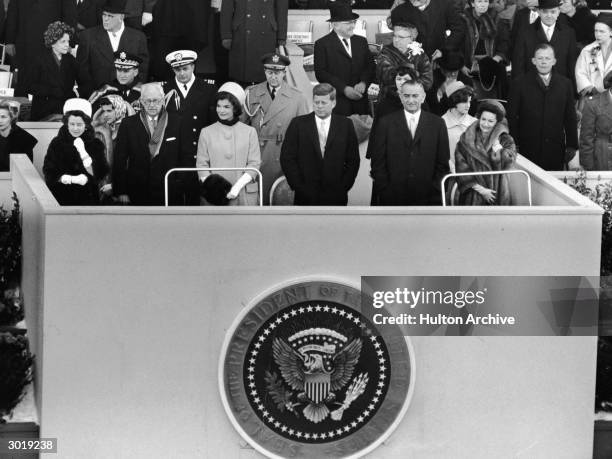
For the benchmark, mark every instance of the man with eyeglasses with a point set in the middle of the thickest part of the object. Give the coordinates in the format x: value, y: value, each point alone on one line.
x: 343, y: 60
x: 97, y: 46
x: 148, y: 146
x: 271, y: 106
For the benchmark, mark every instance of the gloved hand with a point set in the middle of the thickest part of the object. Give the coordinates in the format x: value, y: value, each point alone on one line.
x: 569, y: 154
x: 80, y: 148
x: 107, y: 189
x: 66, y: 179
x: 227, y: 43
x: 80, y: 179
x: 351, y: 93
x: 10, y: 49
x: 360, y: 87
x: 123, y: 199
x: 239, y: 185
x: 146, y: 19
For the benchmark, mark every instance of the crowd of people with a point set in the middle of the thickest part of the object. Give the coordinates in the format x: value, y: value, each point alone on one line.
x: 120, y: 75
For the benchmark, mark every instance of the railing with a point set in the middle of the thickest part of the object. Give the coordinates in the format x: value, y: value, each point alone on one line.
x: 465, y: 174
x: 214, y: 169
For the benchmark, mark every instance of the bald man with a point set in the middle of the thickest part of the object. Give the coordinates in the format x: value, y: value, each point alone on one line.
x: 148, y: 146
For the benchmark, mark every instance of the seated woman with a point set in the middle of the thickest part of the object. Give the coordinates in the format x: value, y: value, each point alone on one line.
x: 596, y: 130
x: 54, y: 74
x: 105, y: 122
x: 403, y: 52
x: 231, y: 143
x: 485, y: 146
x: 13, y: 139
x: 486, y: 38
x: 595, y: 59
x: 75, y: 160
x: 457, y: 118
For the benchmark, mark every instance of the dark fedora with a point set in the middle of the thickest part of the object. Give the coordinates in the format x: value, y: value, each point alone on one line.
x: 605, y: 18
x: 114, y: 6
x: 340, y: 11
x: 451, y: 61
x: 215, y: 189
x: 548, y: 4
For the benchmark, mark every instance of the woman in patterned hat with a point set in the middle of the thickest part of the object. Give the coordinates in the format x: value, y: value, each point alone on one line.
x: 485, y: 146
x: 54, y: 75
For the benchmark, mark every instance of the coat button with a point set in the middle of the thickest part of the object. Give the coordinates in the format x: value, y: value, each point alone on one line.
x: 194, y: 143
x: 195, y: 117
x: 263, y: 16
x: 194, y: 129
x: 248, y: 15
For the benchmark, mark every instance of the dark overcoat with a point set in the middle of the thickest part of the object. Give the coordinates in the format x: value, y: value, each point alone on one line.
x: 407, y: 171
x: 596, y: 133
x: 543, y: 120
x: 135, y: 172
x: 185, y: 18
x: 96, y: 60
x: 52, y: 84
x: 335, y: 66
x: 26, y: 21
x: 63, y: 158
x: 18, y: 141
x: 254, y: 28
x: 320, y: 179
x: 563, y: 42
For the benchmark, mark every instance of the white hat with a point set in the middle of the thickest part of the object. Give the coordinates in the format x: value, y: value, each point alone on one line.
x: 235, y: 90
x: 74, y: 104
x: 181, y: 57
x: 453, y: 87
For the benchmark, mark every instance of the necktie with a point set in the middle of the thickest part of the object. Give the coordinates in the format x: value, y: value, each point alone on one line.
x: 322, y: 136
x: 411, y: 126
x: 346, y: 44
x: 548, y: 33
x: 152, y: 124
x: 185, y: 86
x: 273, y: 93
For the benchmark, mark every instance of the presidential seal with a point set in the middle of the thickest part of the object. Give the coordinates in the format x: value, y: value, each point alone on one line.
x: 304, y: 373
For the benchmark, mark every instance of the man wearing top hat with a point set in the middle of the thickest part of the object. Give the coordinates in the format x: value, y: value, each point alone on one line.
x: 193, y: 99
x: 546, y: 29
x: 126, y: 82
x: 343, y: 60
x: 271, y: 106
x: 97, y: 45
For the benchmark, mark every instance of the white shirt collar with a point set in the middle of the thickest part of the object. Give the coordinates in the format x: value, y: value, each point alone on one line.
x: 349, y: 50
x: 416, y: 116
x: 547, y: 28
x: 182, y: 87
x: 117, y: 37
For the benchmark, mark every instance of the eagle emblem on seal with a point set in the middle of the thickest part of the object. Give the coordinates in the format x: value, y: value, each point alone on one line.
x: 317, y: 364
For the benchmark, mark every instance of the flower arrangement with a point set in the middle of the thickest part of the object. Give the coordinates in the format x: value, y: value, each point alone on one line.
x: 415, y: 48
x: 11, y: 310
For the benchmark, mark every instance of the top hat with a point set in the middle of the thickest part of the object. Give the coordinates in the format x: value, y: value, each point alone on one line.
x: 275, y: 61
x: 341, y: 12
x: 548, y: 4
x: 114, y: 7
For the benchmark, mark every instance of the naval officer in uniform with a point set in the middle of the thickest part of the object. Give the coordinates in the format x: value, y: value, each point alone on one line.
x: 270, y: 107
x: 193, y: 99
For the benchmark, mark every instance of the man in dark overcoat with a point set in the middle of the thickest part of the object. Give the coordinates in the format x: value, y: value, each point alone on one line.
x: 97, y: 47
x: 546, y: 29
x: 148, y: 146
x: 26, y: 21
x: 193, y: 99
x: 410, y: 153
x: 343, y: 60
x: 250, y: 29
x: 176, y: 25
x: 320, y: 153
x: 542, y: 114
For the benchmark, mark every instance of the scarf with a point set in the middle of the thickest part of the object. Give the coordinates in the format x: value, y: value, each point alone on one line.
x: 229, y: 122
x: 155, y: 137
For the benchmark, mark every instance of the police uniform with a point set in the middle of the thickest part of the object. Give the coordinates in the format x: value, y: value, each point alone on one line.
x: 130, y: 92
x: 194, y: 103
x: 271, y: 117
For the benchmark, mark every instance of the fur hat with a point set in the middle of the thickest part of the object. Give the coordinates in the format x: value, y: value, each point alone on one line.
x: 408, y: 15
x: 493, y: 106
x: 76, y: 104
x: 451, y: 61
x: 215, y: 189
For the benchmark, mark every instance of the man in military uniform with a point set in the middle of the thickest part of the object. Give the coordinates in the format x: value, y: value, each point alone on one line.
x: 125, y: 84
x: 271, y: 105
x: 193, y: 99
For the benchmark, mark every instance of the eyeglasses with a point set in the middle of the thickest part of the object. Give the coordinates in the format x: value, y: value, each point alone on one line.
x: 400, y: 37
x: 151, y: 101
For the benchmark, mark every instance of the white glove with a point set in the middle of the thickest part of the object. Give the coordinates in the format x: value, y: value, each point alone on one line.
x: 239, y: 185
x: 66, y: 179
x: 80, y: 147
x: 107, y: 189
x: 496, y: 146
x: 146, y: 19
x: 80, y: 179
